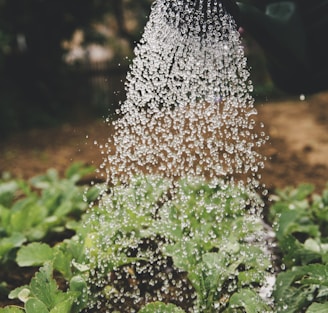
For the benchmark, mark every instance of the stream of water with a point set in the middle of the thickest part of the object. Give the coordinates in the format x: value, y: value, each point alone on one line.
x: 189, y: 110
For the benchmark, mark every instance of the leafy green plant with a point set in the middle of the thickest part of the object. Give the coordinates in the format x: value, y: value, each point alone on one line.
x: 150, y: 232
x: 42, y: 294
x: 65, y: 259
x: 208, y: 229
x: 30, y: 211
x: 301, y: 221
x: 204, y: 229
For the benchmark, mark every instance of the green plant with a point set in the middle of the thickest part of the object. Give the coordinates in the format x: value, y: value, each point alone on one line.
x: 301, y: 220
x: 182, y: 247
x: 206, y: 231
x: 43, y: 296
x: 67, y: 260
x: 31, y: 211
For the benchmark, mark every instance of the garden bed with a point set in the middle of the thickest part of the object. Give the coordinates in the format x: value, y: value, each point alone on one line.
x: 296, y: 154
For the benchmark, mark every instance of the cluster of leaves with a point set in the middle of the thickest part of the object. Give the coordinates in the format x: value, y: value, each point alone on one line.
x: 208, y: 229
x: 193, y: 228
x: 204, y: 229
x: 32, y: 211
x: 29, y: 213
x: 43, y: 295
x: 301, y: 225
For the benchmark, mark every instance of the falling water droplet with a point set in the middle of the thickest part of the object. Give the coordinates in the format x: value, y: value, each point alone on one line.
x: 188, y: 114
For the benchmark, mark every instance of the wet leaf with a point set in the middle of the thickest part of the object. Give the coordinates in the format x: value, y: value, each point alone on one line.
x: 44, y: 287
x: 317, y: 308
x: 34, y: 305
x: 34, y: 254
x: 9, y: 243
x: 63, y: 306
x: 249, y: 301
x: 159, y: 307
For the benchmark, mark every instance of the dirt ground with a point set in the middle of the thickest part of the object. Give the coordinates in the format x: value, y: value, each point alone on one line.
x: 297, y: 150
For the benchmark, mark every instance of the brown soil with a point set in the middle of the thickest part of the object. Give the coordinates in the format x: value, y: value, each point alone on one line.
x: 297, y: 150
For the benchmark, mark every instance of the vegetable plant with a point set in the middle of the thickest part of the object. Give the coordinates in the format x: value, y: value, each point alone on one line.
x: 31, y: 211
x: 201, y: 230
x: 35, y: 217
x: 301, y: 223
x: 154, y: 246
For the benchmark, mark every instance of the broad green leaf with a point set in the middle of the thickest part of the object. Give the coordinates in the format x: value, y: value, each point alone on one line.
x: 8, y: 187
x: 7, y: 192
x: 320, y: 206
x: 160, y: 307
x: 318, y: 308
x: 283, y: 283
x: 26, y: 188
x: 51, y: 198
x: 8, y: 243
x: 4, y: 219
x: 74, y: 247
x: 315, y: 274
x: 64, y: 208
x: 44, y: 287
x: 322, y: 292
x: 250, y: 276
x: 62, y: 262
x: 11, y: 309
x: 52, y: 175
x: 63, y: 306
x: 172, y: 228
x: 214, y: 271
x: 92, y: 193
x: 77, y: 283
x: 80, y: 267
x: 34, y: 254
x: 185, y: 254
x: 26, y: 213
x: 312, y: 245
x: 79, y: 287
x: 40, y: 182
x: 295, y: 300
x: 295, y: 253
x: 292, y: 221
x: 34, y: 305
x: 303, y: 191
x: 290, y: 294
x: 249, y: 301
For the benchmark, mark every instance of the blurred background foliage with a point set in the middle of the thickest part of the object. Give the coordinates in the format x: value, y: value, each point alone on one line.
x: 44, y: 46
x: 64, y: 60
